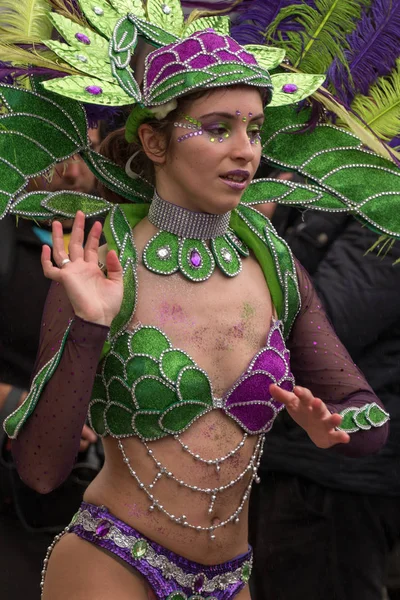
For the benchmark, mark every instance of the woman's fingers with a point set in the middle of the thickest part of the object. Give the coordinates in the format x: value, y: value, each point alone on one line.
x: 289, y: 399
x: 114, y: 269
x: 91, y: 251
x: 304, y: 395
x: 77, y: 236
x: 59, y: 252
x: 49, y: 270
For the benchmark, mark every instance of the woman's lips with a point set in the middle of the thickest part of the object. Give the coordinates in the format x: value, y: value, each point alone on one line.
x: 235, y: 185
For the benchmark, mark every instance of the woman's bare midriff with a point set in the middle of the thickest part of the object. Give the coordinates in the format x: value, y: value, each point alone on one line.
x: 212, y: 435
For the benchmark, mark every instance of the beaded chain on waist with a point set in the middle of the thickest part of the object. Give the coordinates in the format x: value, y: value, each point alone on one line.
x: 149, y: 389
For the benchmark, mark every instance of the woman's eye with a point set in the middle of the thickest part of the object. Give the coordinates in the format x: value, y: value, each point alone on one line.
x: 254, y: 133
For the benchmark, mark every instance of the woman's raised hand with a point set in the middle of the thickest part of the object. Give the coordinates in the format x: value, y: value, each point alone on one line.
x: 312, y: 415
x: 94, y: 297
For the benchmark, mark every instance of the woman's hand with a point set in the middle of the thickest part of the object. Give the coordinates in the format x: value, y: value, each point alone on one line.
x: 94, y: 297
x: 312, y: 415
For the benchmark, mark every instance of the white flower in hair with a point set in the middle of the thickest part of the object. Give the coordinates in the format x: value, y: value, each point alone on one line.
x: 160, y: 112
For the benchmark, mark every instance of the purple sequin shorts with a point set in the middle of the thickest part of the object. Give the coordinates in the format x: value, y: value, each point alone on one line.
x: 171, y: 576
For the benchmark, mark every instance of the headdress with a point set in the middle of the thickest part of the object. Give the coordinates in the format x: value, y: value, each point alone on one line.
x: 78, y: 54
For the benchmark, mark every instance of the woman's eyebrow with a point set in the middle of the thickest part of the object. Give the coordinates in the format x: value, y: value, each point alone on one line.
x: 226, y: 115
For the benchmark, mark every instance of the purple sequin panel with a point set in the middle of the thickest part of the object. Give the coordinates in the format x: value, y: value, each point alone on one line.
x: 163, y: 582
x: 250, y: 402
x: 198, y: 51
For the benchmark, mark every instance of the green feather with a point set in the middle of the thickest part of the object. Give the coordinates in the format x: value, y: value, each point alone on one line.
x: 25, y: 21
x: 323, y: 34
x: 381, y: 108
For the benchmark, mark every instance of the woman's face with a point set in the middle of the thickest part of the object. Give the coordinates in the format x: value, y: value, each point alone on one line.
x: 214, y: 151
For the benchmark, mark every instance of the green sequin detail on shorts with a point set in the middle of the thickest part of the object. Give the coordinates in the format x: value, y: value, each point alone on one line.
x: 139, y: 549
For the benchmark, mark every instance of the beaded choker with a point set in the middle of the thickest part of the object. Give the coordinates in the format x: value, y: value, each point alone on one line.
x: 191, y: 242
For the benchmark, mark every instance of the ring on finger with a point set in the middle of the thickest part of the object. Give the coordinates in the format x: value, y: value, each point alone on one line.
x: 64, y: 262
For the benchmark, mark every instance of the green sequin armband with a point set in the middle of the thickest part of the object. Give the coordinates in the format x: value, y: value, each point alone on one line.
x: 359, y: 419
x: 16, y: 420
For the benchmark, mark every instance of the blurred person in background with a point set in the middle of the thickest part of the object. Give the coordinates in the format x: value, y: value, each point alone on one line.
x: 323, y: 525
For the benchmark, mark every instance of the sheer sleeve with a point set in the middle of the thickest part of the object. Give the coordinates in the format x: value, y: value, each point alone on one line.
x: 47, y: 427
x: 321, y: 363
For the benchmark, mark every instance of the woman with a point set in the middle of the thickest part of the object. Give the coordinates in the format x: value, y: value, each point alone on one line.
x: 188, y: 385
x: 222, y: 324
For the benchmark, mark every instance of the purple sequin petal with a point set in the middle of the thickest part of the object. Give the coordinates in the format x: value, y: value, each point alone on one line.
x: 232, y: 44
x: 287, y: 385
x: 157, y: 63
x: 252, y: 387
x: 270, y: 361
x: 276, y: 339
x: 212, y: 41
x: 203, y: 60
x: 188, y: 48
x: 168, y: 71
x: 247, y: 58
x: 254, y: 418
x: 289, y: 88
x: 226, y: 56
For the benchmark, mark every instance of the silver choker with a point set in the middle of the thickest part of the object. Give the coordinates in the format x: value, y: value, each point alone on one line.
x: 186, y: 223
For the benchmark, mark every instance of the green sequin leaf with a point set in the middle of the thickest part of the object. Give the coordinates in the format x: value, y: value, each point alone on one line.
x: 99, y: 389
x: 149, y: 340
x: 123, y: 45
x: 179, y: 417
x: 152, y: 393
x: 195, y: 259
x: 118, y: 420
x: 101, y: 15
x: 31, y: 205
x: 219, y: 24
x: 306, y: 84
x: 376, y: 415
x: 382, y: 211
x: 69, y: 116
x: 69, y: 30
x: 172, y: 362
x: 166, y: 14
x: 160, y: 254
x: 77, y: 88
x: 347, y: 423
x: 360, y: 420
x: 193, y: 384
x: 237, y: 243
x: 96, y: 416
x: 128, y: 305
x: 119, y: 391
x: 267, y: 57
x: 278, y: 190
x: 141, y: 365
x: 68, y: 203
x: 226, y: 256
x: 121, y: 346
x: 153, y: 34
x: 146, y: 424
x: 176, y: 85
x: 124, y: 7
x: 114, y: 177
x: 119, y: 226
x: 5, y: 203
x: 86, y: 62
x: 113, y: 365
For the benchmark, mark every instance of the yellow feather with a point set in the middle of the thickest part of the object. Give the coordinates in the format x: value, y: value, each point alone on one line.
x: 24, y: 21
x: 18, y: 56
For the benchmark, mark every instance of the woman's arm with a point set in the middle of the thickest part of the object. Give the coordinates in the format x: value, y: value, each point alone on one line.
x: 80, y: 308
x: 330, y: 384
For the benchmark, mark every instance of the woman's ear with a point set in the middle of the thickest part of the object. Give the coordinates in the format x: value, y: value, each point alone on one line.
x: 153, y: 143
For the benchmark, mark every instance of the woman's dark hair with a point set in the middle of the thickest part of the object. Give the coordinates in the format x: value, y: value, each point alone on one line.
x: 116, y: 148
